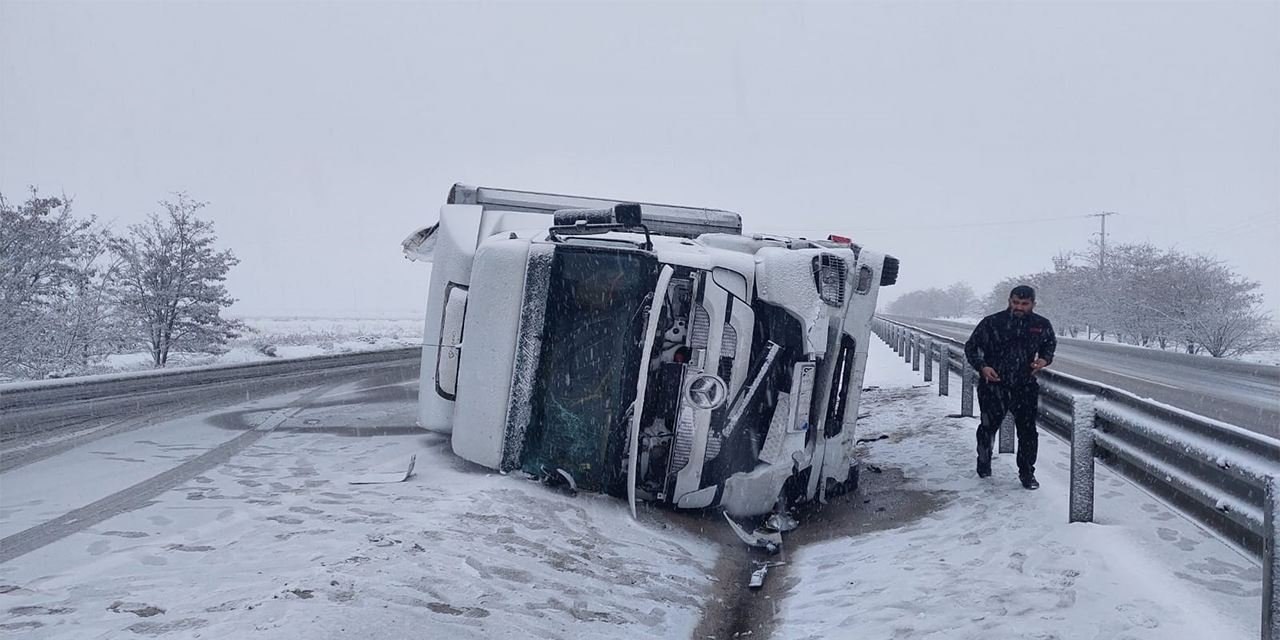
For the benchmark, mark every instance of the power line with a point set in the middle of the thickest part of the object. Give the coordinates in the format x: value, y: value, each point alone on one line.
x: 967, y: 225
x: 1102, y: 255
x: 963, y: 225
x: 1249, y: 223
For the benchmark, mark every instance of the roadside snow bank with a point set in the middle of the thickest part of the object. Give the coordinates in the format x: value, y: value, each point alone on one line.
x: 275, y: 337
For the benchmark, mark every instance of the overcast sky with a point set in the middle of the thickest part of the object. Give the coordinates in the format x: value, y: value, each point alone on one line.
x: 323, y: 134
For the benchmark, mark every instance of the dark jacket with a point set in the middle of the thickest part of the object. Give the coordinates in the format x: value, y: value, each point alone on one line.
x: 1009, y: 344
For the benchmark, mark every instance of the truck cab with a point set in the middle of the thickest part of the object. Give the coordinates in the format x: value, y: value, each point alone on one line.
x: 646, y: 351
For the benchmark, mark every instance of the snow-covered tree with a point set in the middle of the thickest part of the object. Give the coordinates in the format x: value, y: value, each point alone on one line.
x: 52, y: 293
x: 922, y: 303
x: 960, y: 300
x: 955, y: 301
x: 1151, y: 297
x: 1217, y: 309
x: 87, y: 319
x: 170, y: 281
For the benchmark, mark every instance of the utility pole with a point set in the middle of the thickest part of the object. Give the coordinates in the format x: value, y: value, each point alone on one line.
x: 1102, y: 255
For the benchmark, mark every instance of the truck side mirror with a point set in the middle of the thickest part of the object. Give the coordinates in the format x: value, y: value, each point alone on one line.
x: 627, y: 214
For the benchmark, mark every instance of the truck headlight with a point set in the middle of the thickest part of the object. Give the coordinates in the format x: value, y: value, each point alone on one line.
x: 829, y: 275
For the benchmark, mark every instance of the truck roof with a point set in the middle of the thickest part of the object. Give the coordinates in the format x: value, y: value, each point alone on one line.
x: 661, y: 219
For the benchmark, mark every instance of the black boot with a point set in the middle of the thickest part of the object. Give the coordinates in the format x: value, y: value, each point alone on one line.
x: 984, y: 467
x: 984, y: 455
x: 1029, y: 482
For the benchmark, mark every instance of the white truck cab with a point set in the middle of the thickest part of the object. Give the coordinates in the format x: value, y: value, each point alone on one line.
x: 647, y: 351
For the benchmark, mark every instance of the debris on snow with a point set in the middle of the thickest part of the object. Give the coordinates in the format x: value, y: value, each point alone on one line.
x: 781, y: 522
x: 770, y: 541
x: 762, y: 570
x: 399, y: 474
x: 136, y: 608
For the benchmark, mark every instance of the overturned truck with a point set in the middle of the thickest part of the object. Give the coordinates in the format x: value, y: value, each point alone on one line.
x: 651, y: 352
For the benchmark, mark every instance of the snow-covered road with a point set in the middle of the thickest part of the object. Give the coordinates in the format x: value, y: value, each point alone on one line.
x: 274, y: 543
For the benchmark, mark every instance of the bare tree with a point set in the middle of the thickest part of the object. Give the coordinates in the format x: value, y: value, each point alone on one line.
x: 170, y: 281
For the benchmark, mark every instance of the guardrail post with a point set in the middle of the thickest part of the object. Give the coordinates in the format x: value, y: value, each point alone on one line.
x: 1271, y: 560
x: 968, y: 379
x: 1006, y: 433
x: 928, y: 360
x: 916, y: 341
x: 1082, y: 415
x: 944, y: 369
x: 908, y: 340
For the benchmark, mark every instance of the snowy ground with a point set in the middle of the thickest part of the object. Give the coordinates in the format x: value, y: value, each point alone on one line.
x: 997, y: 561
x: 287, y: 337
x: 1263, y: 357
x: 272, y: 542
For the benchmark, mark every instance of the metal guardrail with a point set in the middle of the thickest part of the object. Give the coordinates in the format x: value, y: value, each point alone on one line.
x: 27, y: 407
x: 1224, y: 477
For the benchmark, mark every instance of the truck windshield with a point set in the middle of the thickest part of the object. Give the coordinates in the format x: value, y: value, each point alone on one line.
x: 592, y: 339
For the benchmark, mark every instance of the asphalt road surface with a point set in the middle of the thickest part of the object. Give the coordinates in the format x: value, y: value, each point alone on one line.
x: 1240, y: 393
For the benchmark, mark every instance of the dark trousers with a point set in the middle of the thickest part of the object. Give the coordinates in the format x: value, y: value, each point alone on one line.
x: 996, y: 400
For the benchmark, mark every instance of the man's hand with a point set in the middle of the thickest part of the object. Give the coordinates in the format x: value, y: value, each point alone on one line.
x: 990, y: 375
x: 1037, y: 365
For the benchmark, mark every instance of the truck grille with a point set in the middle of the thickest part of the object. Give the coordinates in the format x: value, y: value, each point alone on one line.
x: 683, y: 446
x: 700, y: 333
x: 729, y: 342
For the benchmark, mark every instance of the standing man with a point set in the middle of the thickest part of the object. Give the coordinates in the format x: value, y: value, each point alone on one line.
x: 1008, y: 349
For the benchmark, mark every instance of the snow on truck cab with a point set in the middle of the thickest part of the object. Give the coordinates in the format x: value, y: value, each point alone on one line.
x: 642, y: 350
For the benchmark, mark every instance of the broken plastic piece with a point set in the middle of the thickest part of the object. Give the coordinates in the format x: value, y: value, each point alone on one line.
x: 770, y: 541
x: 781, y: 522
x: 573, y: 486
x: 762, y: 569
x: 384, y: 477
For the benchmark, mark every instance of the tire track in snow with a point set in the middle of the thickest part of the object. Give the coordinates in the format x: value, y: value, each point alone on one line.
x: 139, y: 495
x: 734, y: 610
